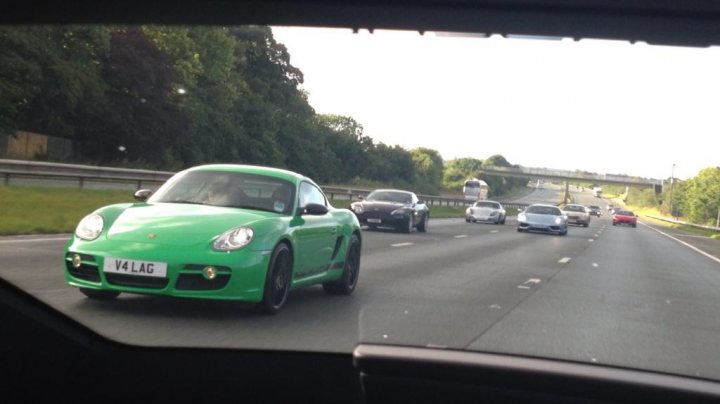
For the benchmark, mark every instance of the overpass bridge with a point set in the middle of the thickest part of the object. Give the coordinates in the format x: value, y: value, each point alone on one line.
x: 570, y: 176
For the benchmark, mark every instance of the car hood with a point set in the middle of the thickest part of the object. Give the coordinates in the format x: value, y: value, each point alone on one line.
x: 540, y: 219
x: 382, y: 206
x: 179, y: 224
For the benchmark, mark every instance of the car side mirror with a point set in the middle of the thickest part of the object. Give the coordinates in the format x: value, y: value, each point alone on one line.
x: 315, y: 209
x: 360, y: 197
x: 420, y: 202
x: 142, y: 195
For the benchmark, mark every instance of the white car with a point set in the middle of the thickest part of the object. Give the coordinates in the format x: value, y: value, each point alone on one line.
x: 577, y: 214
x: 485, y: 211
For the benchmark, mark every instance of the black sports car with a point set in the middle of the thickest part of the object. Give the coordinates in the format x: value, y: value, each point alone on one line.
x: 401, y: 210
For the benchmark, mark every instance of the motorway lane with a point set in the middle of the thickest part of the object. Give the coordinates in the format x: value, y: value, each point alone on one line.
x: 461, y: 285
x: 550, y: 194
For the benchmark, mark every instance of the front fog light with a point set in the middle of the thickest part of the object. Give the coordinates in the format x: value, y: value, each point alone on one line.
x: 209, y: 273
x: 76, y: 260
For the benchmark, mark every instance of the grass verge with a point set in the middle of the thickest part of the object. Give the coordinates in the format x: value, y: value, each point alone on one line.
x: 27, y: 210
x: 643, y: 212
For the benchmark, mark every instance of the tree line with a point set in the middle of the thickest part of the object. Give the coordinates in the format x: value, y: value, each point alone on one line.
x: 167, y: 98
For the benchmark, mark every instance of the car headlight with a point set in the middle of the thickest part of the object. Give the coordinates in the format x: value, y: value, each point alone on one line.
x: 522, y: 217
x: 468, y: 211
x: 357, y: 207
x: 558, y: 220
x: 234, y: 239
x: 90, y: 227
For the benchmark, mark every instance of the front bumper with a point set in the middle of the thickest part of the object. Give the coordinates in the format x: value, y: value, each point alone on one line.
x: 525, y: 226
x: 578, y: 220
x: 381, y: 219
x: 628, y: 222
x: 240, y: 274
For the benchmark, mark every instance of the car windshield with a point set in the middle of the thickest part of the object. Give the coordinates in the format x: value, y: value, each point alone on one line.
x: 544, y: 210
x: 176, y: 186
x: 228, y: 189
x: 390, y: 196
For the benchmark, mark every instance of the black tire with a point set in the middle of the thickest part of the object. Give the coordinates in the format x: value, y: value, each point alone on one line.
x: 503, y: 220
x: 99, y: 294
x: 519, y: 230
x: 277, y: 280
x: 635, y: 225
x: 586, y: 224
x: 351, y: 271
x: 422, y: 226
x: 563, y: 233
x: 467, y: 220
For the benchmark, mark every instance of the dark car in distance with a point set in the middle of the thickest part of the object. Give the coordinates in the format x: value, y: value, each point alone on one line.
x: 594, y: 210
x: 400, y: 210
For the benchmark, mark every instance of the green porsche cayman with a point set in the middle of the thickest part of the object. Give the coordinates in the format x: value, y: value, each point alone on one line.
x: 231, y: 232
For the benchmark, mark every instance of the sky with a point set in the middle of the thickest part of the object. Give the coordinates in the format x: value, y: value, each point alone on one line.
x: 602, y: 106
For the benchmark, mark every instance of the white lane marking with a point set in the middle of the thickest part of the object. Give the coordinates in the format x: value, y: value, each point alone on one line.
x: 597, y: 235
x: 495, y: 306
x: 564, y: 260
x: 30, y: 240
x: 595, y: 264
x: 494, y: 231
x: 401, y: 244
x: 590, y: 240
x: 461, y: 236
x: 533, y: 281
x: 436, y: 346
x: 712, y: 257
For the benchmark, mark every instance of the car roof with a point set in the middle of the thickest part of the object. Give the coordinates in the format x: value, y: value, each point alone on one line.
x: 392, y: 190
x: 252, y: 169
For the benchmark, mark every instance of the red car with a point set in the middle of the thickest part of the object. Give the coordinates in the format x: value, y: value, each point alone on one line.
x: 624, y: 217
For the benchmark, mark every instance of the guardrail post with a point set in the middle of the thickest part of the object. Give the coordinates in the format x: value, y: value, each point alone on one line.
x: 81, y: 181
x: 139, y: 184
x: 6, y: 181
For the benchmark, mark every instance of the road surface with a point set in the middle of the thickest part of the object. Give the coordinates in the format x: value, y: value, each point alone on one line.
x: 608, y: 295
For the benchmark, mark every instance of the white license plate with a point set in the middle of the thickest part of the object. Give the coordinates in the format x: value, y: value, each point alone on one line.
x: 137, y: 268
x: 374, y: 221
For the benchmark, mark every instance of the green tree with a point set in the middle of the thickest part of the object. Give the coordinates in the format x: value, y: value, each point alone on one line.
x: 701, y: 197
x: 458, y: 170
x: 428, y: 165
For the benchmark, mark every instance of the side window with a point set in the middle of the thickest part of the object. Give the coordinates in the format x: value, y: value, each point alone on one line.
x: 310, y: 194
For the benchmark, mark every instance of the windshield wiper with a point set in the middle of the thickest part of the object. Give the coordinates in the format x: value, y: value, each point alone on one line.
x: 188, y: 202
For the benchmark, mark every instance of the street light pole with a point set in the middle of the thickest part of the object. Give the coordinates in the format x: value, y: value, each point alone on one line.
x: 672, y: 182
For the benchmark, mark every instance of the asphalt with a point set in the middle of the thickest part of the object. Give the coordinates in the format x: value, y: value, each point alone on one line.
x: 624, y: 296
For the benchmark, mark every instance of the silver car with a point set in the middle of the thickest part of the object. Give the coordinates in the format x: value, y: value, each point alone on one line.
x: 577, y: 214
x: 543, y: 218
x: 485, y: 211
